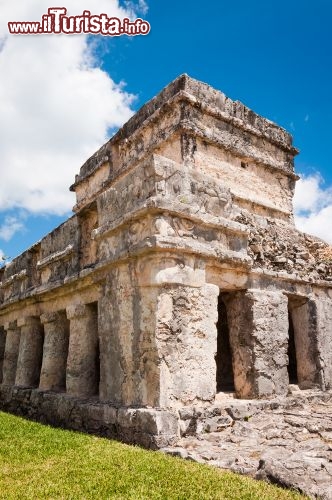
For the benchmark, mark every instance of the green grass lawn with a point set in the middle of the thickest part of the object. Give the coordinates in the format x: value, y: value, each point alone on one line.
x: 37, y: 461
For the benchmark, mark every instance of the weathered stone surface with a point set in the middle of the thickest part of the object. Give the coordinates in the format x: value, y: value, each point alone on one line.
x: 179, y: 281
x: 276, y: 245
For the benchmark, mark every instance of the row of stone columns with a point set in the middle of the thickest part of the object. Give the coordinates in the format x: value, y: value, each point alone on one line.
x: 57, y: 351
x: 158, y: 345
x: 259, y: 335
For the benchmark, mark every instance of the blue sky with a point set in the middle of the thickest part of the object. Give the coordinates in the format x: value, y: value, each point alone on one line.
x: 275, y: 57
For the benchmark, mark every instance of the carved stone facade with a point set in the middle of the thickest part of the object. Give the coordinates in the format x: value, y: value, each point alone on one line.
x: 181, y: 275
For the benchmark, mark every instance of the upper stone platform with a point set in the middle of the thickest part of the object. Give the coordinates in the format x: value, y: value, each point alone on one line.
x: 188, y: 112
x: 192, y: 173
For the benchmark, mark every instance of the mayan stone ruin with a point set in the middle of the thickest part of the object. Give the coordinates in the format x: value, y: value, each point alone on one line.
x: 179, y: 281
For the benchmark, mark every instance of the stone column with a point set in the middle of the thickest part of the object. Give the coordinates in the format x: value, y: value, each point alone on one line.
x: 258, y: 331
x: 186, y: 340
x: 158, y: 335
x: 56, y: 337
x: 30, y: 352
x: 303, y: 314
x: 324, y: 339
x: 83, y: 355
x: 11, y: 353
x: 2, y: 349
x: 117, y: 334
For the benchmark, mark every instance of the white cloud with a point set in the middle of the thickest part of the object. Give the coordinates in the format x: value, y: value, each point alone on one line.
x: 56, y: 106
x: 310, y: 193
x: 313, y: 207
x: 10, y: 226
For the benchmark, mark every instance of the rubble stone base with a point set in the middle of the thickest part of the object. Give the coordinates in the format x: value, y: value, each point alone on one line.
x: 151, y: 428
x: 287, y: 441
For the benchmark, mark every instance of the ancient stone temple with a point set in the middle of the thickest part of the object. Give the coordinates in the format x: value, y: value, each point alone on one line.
x: 180, y: 276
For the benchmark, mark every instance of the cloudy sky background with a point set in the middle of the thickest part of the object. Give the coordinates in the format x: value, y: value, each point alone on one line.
x: 61, y: 97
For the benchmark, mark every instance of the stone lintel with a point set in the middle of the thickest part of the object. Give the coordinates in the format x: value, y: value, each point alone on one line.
x: 77, y: 311
x: 28, y: 321
x: 51, y: 317
x: 11, y: 325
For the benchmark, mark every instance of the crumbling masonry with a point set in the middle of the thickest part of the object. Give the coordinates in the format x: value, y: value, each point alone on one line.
x: 181, y: 275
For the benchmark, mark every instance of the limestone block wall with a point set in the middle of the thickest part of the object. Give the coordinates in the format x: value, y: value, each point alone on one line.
x: 181, y: 274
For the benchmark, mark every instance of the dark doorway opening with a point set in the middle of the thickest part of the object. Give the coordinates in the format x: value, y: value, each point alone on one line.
x: 292, y: 364
x: 225, y: 375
